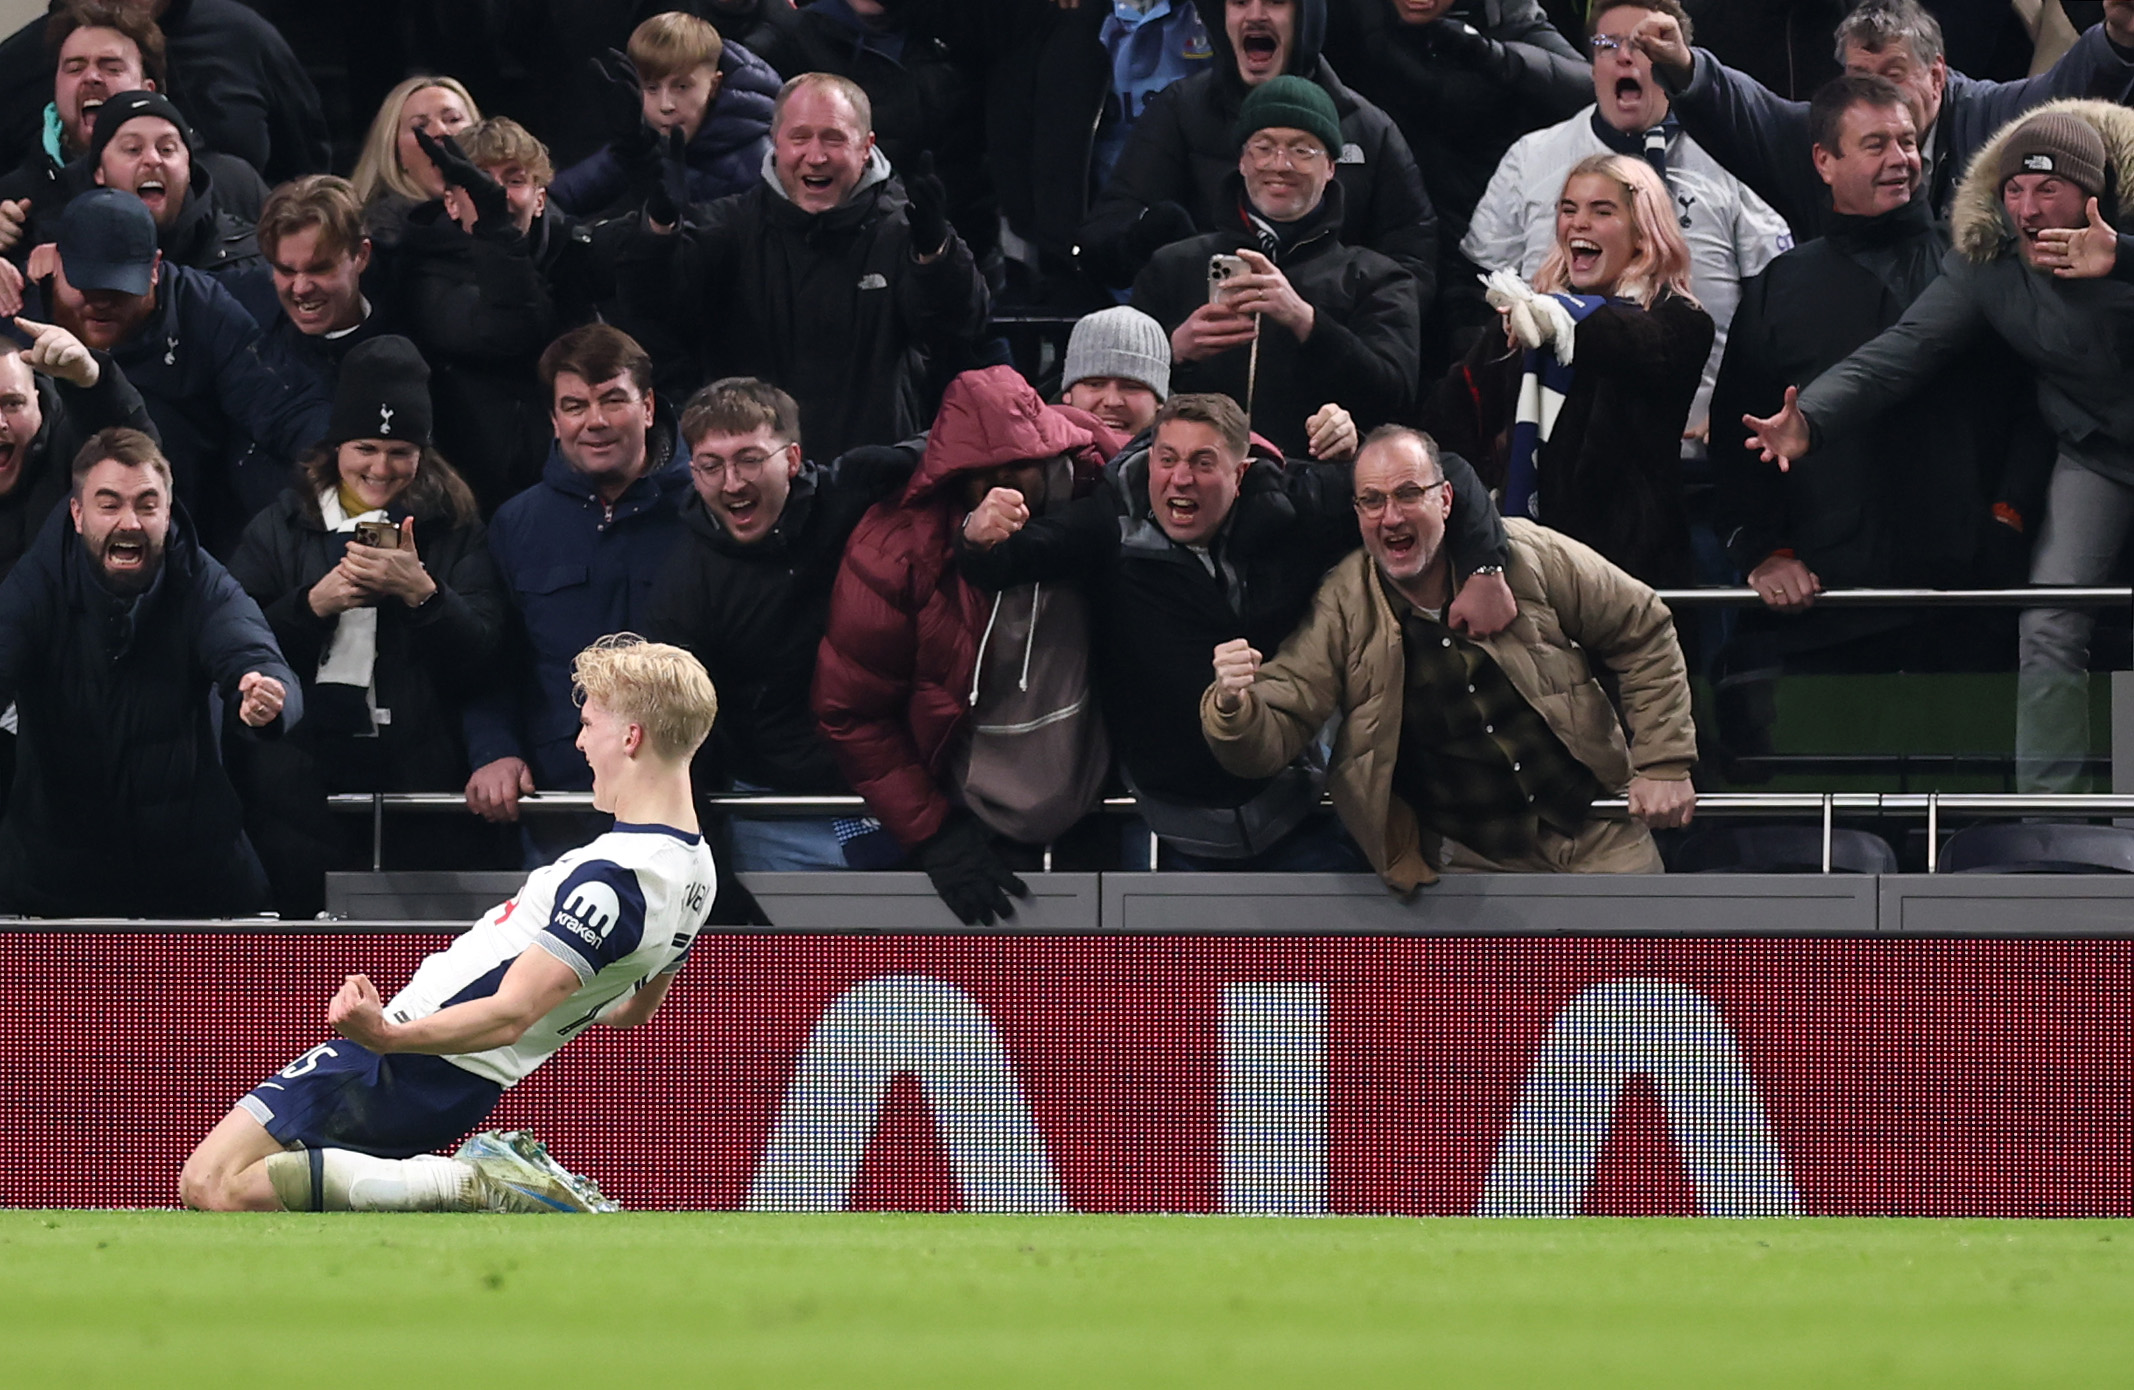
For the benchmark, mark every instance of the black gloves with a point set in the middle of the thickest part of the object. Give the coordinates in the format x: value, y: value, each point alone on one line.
x: 928, y: 209
x: 622, y: 103
x: 967, y: 873
x: 1463, y: 45
x: 492, y: 210
x: 667, y: 181
x: 1157, y: 228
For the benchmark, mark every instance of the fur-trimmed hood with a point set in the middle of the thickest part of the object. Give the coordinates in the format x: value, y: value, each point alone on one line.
x: 1981, y: 231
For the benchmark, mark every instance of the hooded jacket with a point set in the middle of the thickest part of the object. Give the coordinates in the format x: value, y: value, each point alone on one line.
x: 2076, y: 335
x: 1366, y: 325
x: 206, y: 236
x: 893, y: 677
x: 1908, y: 500
x: 577, y: 569
x: 46, y: 462
x: 1184, y: 150
x: 755, y: 615
x: 832, y: 306
x: 1158, y: 609
x: 1575, y: 611
x: 120, y: 804
x: 1610, y: 473
x: 723, y: 158
x: 1763, y: 139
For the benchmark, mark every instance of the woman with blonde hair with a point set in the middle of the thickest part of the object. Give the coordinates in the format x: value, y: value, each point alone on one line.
x: 393, y: 175
x: 1575, y: 416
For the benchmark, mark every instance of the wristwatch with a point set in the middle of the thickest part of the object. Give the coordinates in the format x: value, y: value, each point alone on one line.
x: 1485, y: 569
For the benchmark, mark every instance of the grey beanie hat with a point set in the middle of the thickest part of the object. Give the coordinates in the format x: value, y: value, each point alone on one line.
x: 1120, y: 342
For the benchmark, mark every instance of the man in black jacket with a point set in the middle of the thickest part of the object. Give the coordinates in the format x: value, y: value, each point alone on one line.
x: 1936, y: 494
x: 1311, y: 320
x: 1764, y: 139
x: 113, y: 633
x: 748, y: 591
x: 231, y: 420
x: 1197, y: 541
x: 54, y: 394
x: 1171, y: 180
x: 831, y: 277
x: 319, y: 293
x: 227, y: 64
x: 143, y: 146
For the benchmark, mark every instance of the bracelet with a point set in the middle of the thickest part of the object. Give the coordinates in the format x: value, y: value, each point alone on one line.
x: 1486, y: 569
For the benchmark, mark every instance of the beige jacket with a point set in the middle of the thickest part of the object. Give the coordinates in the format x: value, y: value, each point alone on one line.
x: 1347, y: 657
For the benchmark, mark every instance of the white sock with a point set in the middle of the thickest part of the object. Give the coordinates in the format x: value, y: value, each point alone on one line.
x: 340, y: 1180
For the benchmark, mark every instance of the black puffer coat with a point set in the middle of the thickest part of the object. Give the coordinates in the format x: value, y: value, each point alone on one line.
x: 1184, y: 150
x: 831, y: 306
x: 1362, y: 349
x: 120, y: 804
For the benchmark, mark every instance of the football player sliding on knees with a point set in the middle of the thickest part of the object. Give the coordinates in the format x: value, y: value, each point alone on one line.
x: 597, y: 937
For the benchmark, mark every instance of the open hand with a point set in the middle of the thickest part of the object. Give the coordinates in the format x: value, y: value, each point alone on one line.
x: 1263, y: 289
x: 1783, y: 437
x: 2080, y: 253
x: 1209, y: 330
x: 390, y: 573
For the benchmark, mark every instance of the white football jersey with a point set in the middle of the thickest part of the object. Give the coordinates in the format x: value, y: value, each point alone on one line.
x: 618, y: 912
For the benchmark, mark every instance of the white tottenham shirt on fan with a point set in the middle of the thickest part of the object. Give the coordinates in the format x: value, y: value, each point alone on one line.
x: 618, y: 912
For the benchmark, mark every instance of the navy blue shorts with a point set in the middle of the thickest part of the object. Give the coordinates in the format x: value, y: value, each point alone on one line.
x: 341, y: 1095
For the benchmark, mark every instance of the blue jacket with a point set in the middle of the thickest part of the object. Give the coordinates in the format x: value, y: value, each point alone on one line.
x: 1762, y: 138
x: 120, y: 804
x: 724, y: 158
x: 234, y: 417
x: 576, y: 570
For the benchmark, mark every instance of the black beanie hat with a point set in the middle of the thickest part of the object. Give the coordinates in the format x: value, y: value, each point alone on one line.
x: 384, y: 393
x: 123, y: 108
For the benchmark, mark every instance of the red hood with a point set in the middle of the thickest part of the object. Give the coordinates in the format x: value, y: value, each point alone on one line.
x: 992, y: 416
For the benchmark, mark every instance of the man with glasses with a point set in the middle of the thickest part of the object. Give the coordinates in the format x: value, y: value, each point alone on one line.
x: 1463, y: 752
x: 1304, y: 318
x: 1199, y: 538
x: 1732, y: 233
x: 747, y: 589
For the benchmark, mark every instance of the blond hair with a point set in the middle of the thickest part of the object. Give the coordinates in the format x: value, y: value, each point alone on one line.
x: 855, y: 97
x: 378, y: 170
x: 499, y: 141
x: 1662, y: 259
x: 670, y: 44
x: 662, y: 689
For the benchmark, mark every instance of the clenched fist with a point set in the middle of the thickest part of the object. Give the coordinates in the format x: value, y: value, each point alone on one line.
x: 1000, y: 515
x: 1237, y: 666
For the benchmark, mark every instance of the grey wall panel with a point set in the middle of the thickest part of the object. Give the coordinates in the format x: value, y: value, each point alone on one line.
x: 1492, y: 905
x: 1058, y: 905
x: 419, y: 896
x: 2008, y: 904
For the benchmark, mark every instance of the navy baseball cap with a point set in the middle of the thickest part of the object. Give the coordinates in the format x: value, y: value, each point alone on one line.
x: 107, y: 241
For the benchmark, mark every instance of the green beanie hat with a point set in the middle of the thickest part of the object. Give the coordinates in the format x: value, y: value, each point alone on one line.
x: 1293, y: 103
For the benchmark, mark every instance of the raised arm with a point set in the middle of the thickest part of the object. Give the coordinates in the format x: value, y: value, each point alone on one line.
x: 1256, y: 714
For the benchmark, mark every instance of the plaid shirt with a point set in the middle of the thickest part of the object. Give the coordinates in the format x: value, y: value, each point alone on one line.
x: 1477, y: 762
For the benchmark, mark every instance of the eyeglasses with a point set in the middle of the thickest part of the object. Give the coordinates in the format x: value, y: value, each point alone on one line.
x: 1303, y: 154
x: 745, y: 466
x: 1609, y: 43
x: 1372, y: 505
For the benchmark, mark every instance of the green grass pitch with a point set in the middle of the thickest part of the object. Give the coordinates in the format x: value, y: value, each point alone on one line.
x: 880, y: 1300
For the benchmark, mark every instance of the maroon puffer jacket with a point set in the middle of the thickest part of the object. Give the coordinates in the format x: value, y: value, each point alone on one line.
x: 893, y: 678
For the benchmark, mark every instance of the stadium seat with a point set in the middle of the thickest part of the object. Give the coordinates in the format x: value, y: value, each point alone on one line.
x: 2039, y: 849
x: 1783, y: 849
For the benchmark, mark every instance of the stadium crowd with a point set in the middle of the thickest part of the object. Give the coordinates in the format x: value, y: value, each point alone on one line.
x: 374, y: 365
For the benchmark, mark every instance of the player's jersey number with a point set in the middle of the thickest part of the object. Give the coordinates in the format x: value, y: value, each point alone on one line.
x: 306, y: 1064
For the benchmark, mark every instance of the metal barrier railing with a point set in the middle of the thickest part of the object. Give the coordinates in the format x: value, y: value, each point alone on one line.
x: 1826, y: 806
x: 2041, y: 597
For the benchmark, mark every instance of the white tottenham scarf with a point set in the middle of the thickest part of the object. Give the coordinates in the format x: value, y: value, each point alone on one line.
x: 350, y: 656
